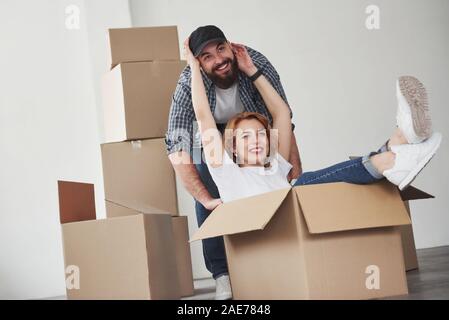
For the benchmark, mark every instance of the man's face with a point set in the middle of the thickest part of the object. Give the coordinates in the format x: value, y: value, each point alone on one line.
x: 219, y: 63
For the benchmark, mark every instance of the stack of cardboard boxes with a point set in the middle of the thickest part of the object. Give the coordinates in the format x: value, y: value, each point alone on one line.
x: 141, y: 250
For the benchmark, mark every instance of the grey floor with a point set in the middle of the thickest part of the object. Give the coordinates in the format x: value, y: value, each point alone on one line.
x: 430, y: 281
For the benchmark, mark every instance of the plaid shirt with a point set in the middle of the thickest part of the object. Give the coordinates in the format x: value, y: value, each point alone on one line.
x: 182, y: 131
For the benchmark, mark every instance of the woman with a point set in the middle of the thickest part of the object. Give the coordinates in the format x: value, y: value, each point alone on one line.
x: 250, y: 158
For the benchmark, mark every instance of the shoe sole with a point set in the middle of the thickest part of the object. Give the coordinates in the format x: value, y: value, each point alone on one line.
x: 414, y: 173
x: 415, y: 94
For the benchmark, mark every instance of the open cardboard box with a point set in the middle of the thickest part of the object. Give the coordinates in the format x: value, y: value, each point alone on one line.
x: 128, y: 257
x: 324, y: 241
x: 136, y: 99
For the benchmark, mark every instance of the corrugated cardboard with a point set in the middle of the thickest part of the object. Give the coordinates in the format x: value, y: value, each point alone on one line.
x: 408, y: 240
x: 183, y: 255
x: 181, y: 240
x: 138, y: 174
x: 137, y: 98
x: 313, y: 242
x: 76, y: 201
x: 131, y: 257
x: 408, y: 244
x: 143, y: 44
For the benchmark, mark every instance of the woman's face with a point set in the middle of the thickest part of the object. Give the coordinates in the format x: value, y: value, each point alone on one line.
x: 251, y: 143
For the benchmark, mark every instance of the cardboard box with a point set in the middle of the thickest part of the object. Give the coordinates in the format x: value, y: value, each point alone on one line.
x: 138, y: 174
x: 181, y: 240
x: 137, y: 98
x: 408, y: 240
x: 325, y: 241
x: 408, y: 244
x: 130, y: 257
x: 183, y: 255
x: 143, y: 44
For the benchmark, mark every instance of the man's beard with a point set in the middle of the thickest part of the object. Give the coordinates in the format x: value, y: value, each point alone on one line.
x: 227, y: 80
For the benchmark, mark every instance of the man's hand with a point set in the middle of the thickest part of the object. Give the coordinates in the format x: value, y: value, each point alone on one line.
x: 191, y: 60
x: 244, y: 61
x: 295, y: 161
x: 211, y: 204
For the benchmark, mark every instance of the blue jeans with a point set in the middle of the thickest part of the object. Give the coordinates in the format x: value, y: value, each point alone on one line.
x: 213, y: 248
x: 357, y: 171
x: 351, y: 171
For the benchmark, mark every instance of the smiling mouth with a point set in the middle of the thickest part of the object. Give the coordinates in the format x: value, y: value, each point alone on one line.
x: 223, y: 67
x: 256, y: 150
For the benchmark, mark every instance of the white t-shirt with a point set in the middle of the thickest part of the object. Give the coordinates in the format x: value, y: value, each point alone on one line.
x: 228, y: 103
x: 234, y: 182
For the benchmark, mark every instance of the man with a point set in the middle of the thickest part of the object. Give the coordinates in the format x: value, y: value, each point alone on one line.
x: 229, y: 92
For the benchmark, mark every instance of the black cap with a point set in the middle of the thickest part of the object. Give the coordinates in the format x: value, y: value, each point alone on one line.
x: 202, y: 36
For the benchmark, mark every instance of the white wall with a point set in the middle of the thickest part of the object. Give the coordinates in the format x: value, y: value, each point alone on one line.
x: 49, y: 130
x: 339, y: 77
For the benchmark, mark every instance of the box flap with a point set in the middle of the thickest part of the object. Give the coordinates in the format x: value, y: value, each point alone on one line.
x: 412, y: 193
x: 342, y: 206
x: 248, y: 214
x: 76, y: 201
x: 139, y: 207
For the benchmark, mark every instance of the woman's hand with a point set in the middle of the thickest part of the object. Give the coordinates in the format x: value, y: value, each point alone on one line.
x: 212, y: 204
x: 244, y: 61
x: 191, y: 60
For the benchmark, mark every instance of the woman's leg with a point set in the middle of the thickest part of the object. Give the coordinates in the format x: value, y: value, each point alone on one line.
x: 364, y: 170
x: 351, y: 171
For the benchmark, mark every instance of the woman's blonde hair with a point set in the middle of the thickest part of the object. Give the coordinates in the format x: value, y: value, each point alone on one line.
x: 229, y: 139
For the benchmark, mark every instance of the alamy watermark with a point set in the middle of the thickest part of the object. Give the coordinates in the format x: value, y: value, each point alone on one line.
x: 72, y: 18
x: 372, y: 281
x: 72, y: 280
x: 372, y: 21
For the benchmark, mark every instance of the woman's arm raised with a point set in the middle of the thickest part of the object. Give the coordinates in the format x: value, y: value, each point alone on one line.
x: 210, y: 136
x: 277, y: 107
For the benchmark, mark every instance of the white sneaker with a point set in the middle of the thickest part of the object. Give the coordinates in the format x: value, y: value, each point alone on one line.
x: 223, y: 288
x: 413, y: 116
x: 411, y: 159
